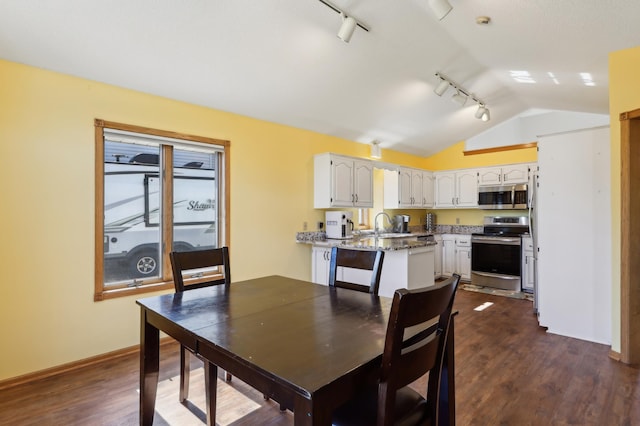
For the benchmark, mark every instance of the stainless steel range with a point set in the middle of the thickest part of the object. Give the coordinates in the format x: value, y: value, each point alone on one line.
x: 497, y: 252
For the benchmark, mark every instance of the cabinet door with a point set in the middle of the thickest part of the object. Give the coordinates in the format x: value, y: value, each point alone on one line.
x: 437, y: 265
x: 363, y: 184
x: 404, y: 187
x: 342, y: 182
x: 490, y: 176
x: 467, y: 189
x: 463, y: 262
x: 427, y: 189
x: 445, y: 190
x: 416, y: 188
x: 515, y: 174
x: 448, y: 256
x: 320, y: 261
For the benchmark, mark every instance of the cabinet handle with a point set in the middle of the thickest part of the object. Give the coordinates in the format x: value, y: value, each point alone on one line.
x: 356, y: 198
x: 457, y: 200
x: 453, y: 200
x: 353, y: 198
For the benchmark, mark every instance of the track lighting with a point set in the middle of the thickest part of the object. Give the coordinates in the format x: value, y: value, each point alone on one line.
x: 347, y: 28
x: 440, y: 8
x: 441, y: 87
x: 461, y: 96
x: 375, y: 149
x: 349, y: 23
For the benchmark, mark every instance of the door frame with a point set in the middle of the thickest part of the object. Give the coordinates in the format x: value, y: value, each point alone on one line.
x: 629, y: 237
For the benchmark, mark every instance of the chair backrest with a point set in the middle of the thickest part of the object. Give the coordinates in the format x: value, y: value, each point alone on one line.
x: 182, y: 261
x: 356, y: 259
x: 415, y: 343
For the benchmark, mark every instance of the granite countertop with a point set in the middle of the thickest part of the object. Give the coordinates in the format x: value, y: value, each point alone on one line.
x: 365, y: 240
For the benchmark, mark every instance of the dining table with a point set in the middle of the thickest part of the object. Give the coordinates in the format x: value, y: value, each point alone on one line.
x: 310, y: 347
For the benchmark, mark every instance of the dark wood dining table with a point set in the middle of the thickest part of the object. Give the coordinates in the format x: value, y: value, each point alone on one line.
x: 307, y: 346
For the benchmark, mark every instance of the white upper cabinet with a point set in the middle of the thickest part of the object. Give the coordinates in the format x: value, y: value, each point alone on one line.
x: 457, y: 189
x: 408, y: 188
x: 341, y: 181
x: 512, y: 174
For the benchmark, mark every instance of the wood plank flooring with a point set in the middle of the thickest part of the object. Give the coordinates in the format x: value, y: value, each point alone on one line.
x: 509, y: 371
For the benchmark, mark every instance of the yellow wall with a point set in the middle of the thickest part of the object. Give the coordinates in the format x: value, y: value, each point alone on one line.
x: 624, y: 95
x: 48, y: 315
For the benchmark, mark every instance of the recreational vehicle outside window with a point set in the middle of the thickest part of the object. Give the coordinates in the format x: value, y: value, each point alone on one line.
x: 156, y: 191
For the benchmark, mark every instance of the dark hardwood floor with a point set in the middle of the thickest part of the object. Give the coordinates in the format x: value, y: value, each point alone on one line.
x: 509, y: 371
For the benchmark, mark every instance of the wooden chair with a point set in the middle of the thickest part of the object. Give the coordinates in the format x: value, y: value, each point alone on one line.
x: 417, y: 332
x: 357, y: 259
x: 186, y: 261
x: 190, y: 261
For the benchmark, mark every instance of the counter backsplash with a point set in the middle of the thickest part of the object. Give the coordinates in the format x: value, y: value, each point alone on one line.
x: 440, y: 229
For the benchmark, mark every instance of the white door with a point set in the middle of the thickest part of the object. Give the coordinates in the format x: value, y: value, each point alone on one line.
x: 363, y: 184
x: 445, y: 190
x: 467, y: 189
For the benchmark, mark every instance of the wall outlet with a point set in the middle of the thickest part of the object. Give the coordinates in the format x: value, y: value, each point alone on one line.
x: 457, y: 221
x: 304, y: 226
x: 320, y: 226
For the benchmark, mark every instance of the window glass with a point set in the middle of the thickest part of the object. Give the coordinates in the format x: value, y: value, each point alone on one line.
x: 156, y: 191
x: 131, y: 212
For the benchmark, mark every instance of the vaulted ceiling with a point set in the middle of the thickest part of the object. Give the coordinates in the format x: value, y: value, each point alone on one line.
x: 281, y: 61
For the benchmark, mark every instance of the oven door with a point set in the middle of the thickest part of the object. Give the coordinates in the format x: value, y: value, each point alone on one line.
x: 496, y: 262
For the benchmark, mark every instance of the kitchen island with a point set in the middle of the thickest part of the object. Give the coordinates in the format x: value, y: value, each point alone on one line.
x: 408, y: 260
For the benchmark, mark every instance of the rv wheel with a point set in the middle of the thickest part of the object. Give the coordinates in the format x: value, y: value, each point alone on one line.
x: 144, y: 263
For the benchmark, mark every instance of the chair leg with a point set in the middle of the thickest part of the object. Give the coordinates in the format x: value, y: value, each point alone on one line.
x: 184, y: 374
x: 210, y: 386
x: 227, y: 376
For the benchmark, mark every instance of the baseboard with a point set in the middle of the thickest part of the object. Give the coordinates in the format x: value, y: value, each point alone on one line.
x: 64, y: 368
x: 616, y: 356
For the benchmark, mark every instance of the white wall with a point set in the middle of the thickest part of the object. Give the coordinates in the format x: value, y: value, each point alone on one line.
x: 530, y: 125
x: 574, y: 234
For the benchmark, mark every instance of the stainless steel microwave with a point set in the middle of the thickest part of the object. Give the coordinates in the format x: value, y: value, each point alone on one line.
x: 503, y: 197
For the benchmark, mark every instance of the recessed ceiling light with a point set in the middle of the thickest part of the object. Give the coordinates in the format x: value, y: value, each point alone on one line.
x: 483, y: 20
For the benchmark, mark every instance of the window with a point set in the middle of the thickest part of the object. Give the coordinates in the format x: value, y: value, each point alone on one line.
x: 156, y: 191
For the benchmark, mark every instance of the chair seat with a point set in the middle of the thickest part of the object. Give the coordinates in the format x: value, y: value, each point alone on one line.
x: 410, y: 409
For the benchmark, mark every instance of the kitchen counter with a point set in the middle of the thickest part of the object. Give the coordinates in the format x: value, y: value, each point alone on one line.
x: 367, y: 241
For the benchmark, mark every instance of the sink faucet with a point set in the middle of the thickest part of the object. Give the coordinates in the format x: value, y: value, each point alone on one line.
x: 375, y: 221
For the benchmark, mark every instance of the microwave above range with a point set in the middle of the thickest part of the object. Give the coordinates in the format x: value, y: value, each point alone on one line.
x: 503, y: 197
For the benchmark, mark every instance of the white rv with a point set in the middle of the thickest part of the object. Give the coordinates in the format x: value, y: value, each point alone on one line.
x: 131, y: 221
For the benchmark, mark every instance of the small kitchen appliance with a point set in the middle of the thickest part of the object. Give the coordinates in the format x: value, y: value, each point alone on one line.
x: 339, y: 224
x: 401, y: 223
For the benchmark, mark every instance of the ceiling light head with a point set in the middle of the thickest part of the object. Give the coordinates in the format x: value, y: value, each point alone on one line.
x: 486, y: 116
x: 480, y: 112
x: 375, y: 149
x: 459, y: 98
x: 440, y: 8
x: 441, y: 87
x: 347, y: 28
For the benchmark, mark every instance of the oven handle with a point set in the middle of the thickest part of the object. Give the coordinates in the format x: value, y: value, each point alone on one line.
x: 496, y: 240
x: 501, y: 276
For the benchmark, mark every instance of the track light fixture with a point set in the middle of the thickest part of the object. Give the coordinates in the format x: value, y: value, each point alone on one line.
x: 461, y: 96
x: 440, y: 8
x: 349, y: 23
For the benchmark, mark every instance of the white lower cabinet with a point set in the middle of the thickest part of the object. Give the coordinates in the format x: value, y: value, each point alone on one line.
x: 456, y: 256
x: 448, y: 254
x: 463, y: 257
x: 320, y: 261
x: 407, y: 268
x: 528, y: 265
x: 437, y: 266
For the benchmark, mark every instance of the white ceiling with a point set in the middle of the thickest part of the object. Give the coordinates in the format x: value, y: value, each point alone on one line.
x: 281, y: 61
